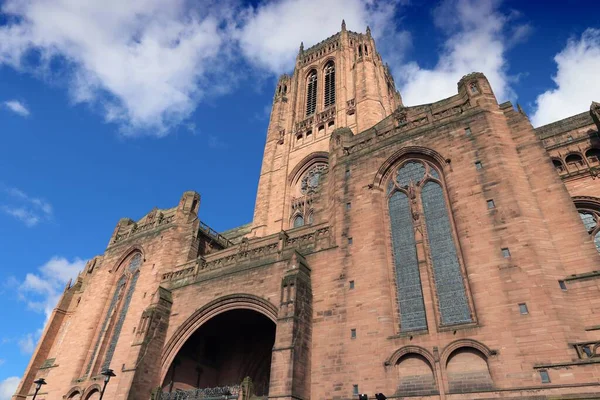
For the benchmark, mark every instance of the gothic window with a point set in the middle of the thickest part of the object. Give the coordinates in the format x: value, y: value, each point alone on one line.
x: 298, y: 221
x: 329, y: 84
x: 416, y: 190
x: 115, y: 316
x: 311, y: 93
x: 590, y: 218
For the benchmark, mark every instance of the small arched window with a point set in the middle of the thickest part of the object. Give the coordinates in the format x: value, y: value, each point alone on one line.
x: 593, y: 155
x: 366, y: 50
x: 329, y: 84
x: 574, y: 160
x: 558, y: 165
x: 311, y: 93
x: 298, y: 221
x: 360, y: 50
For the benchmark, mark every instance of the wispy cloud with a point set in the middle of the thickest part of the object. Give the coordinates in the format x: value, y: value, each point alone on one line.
x: 17, y: 107
x: 8, y: 387
x: 576, y: 80
x: 477, y: 37
x: 27, y: 344
x: 27, y: 209
x: 42, y: 290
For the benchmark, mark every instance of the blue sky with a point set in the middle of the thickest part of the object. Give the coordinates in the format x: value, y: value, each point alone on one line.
x: 108, y: 110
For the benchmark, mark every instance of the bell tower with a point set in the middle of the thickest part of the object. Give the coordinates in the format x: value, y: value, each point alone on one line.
x: 339, y: 82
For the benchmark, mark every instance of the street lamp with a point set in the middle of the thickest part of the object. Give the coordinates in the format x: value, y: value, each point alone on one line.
x: 107, y: 373
x: 38, y: 386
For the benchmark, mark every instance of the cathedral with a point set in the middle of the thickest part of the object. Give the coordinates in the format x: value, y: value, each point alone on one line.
x: 441, y: 251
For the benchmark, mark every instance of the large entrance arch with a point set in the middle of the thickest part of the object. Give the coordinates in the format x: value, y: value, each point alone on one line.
x: 220, y: 344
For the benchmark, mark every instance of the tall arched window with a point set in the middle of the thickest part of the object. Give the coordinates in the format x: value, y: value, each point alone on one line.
x: 311, y: 93
x: 115, y: 316
x: 414, y: 190
x: 329, y: 84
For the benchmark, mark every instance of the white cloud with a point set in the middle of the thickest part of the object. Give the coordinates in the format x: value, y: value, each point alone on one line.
x: 577, y: 82
x: 144, y: 63
x: 478, y: 34
x: 8, y: 387
x: 27, y: 209
x: 27, y: 344
x: 42, y: 290
x: 271, y: 34
x: 17, y: 107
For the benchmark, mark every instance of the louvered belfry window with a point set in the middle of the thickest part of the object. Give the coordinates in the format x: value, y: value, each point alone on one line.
x: 329, y: 84
x: 311, y: 93
x: 417, y: 204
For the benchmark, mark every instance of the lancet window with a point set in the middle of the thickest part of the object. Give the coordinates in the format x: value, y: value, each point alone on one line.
x: 115, y: 317
x: 329, y: 84
x: 311, y: 93
x: 418, y: 211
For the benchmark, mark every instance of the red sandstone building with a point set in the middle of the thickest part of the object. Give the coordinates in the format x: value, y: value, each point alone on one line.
x: 441, y: 251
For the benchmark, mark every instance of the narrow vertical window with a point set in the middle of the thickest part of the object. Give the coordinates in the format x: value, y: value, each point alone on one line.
x: 329, y: 84
x: 453, y: 302
x: 311, y: 93
x: 410, y: 296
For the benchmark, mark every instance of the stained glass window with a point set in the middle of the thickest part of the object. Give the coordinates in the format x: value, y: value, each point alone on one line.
x: 410, y: 295
x: 410, y: 172
x: 412, y: 192
x: 590, y: 218
x: 122, y: 314
x: 298, y: 221
x: 452, y: 298
x: 111, y: 308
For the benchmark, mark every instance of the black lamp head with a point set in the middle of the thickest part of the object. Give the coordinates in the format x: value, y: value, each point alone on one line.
x: 39, y: 383
x: 363, y: 396
x: 108, y: 373
x: 380, y: 396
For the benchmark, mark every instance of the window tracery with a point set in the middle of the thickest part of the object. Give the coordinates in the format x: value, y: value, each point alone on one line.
x: 418, y: 211
x: 306, y: 186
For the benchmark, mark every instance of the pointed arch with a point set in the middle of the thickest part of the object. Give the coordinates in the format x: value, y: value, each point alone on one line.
x: 127, y: 254
x: 306, y: 163
x: 202, y: 315
x: 417, y: 151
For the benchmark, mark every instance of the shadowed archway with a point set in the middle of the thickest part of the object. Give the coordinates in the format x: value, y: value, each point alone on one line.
x: 223, y: 351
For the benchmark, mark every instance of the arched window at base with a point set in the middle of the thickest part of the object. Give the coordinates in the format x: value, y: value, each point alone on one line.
x: 467, y: 371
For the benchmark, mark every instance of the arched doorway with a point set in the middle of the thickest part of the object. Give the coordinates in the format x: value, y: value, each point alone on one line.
x: 223, y: 351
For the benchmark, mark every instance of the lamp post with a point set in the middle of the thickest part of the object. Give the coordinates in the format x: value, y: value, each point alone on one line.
x: 38, y: 386
x: 107, y: 373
